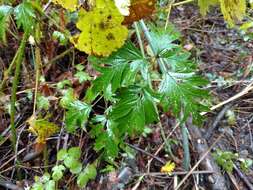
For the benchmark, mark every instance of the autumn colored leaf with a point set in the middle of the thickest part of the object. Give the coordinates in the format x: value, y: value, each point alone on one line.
x: 232, y: 10
x: 101, y: 28
x: 42, y: 129
x: 70, y: 5
x: 140, y: 9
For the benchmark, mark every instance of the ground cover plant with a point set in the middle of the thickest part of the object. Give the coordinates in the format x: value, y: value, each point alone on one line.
x: 85, y: 83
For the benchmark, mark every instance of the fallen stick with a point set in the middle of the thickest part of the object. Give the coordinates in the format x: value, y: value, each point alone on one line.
x: 9, y: 185
x: 145, y: 152
x: 216, y: 121
x: 243, y: 177
x: 173, y: 173
x: 206, y: 162
x: 245, y: 91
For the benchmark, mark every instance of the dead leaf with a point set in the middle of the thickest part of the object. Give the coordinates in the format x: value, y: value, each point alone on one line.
x: 140, y: 9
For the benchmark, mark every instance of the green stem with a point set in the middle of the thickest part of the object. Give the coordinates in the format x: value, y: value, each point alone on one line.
x: 187, y: 159
x: 164, y: 70
x: 146, y: 75
x: 139, y: 38
x: 166, y: 141
x: 183, y: 128
x: 45, y: 157
x: 147, y: 34
x: 18, y: 63
x: 8, y: 71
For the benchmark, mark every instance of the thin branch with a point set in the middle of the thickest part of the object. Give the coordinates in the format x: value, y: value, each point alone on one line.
x: 145, y: 152
x: 197, y: 164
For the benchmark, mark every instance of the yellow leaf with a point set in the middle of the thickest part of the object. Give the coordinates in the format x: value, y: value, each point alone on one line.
x: 168, y: 167
x: 246, y: 26
x: 233, y: 10
x: 205, y: 4
x: 41, y: 128
x: 101, y: 29
x: 71, y: 5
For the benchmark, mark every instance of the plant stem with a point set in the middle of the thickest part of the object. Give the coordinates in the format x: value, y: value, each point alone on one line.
x: 18, y: 61
x: 8, y: 71
x: 186, y: 161
x: 139, y: 38
x: 168, y: 14
x: 45, y: 157
x: 58, y: 57
x: 164, y: 70
x: 146, y: 75
x: 37, y: 73
x: 147, y: 34
x: 183, y: 128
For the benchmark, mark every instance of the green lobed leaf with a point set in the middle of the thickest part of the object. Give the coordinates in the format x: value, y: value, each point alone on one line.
x: 77, y: 115
x: 180, y: 88
x: 25, y: 16
x: 50, y: 185
x: 43, y: 102
x: 45, y: 178
x: 57, y: 172
x: 68, y: 98
x: 120, y: 68
x: 63, y: 83
x: 5, y: 11
x: 89, y: 173
x: 162, y: 40
x: 60, y: 36
x: 183, y: 96
x: 74, y: 152
x: 62, y: 154
x: 135, y: 109
x: 69, y: 161
x: 106, y: 139
x: 82, y: 76
x: 37, y: 186
x: 76, y: 168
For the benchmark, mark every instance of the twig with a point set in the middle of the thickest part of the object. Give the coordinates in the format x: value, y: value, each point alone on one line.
x: 9, y: 185
x: 135, y: 187
x: 182, y: 3
x: 216, y: 121
x: 250, y: 134
x: 12, y: 158
x: 168, y: 14
x: 47, y: 5
x: 243, y: 177
x: 216, y: 181
x: 162, y: 145
x: 245, y: 91
x: 145, y: 152
x: 59, y: 57
x: 197, y: 164
x: 233, y: 180
x: 174, y: 173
